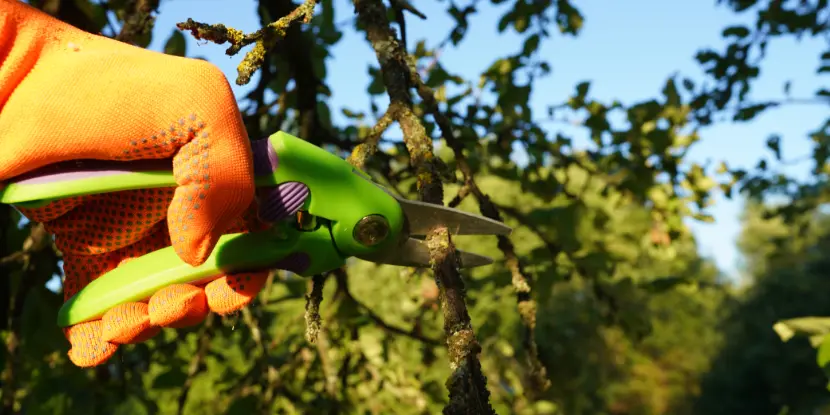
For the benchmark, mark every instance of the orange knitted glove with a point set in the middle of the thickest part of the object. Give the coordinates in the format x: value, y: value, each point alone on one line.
x: 68, y: 95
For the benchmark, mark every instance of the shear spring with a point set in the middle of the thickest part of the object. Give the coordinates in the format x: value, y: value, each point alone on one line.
x: 306, y: 222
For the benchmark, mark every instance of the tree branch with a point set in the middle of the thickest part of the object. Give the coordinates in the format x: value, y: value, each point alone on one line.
x: 521, y: 281
x: 312, y: 308
x: 263, y: 39
x: 467, y: 385
x: 140, y: 21
x: 363, y: 151
x: 296, y: 51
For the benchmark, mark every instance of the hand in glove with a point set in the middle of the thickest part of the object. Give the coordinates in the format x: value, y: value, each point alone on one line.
x: 68, y: 95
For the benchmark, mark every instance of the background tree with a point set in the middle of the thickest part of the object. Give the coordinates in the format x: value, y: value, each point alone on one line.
x: 599, y: 302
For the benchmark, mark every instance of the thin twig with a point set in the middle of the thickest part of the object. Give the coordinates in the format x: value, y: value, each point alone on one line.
x: 312, y: 308
x: 307, y: 85
x: 363, y: 151
x: 263, y: 39
x: 462, y: 194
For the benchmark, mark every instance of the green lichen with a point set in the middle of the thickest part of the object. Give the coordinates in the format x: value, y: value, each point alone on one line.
x: 312, y: 308
x: 369, y: 146
x: 263, y: 39
x: 216, y: 33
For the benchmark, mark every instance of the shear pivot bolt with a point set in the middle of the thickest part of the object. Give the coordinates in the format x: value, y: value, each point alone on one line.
x: 371, y: 230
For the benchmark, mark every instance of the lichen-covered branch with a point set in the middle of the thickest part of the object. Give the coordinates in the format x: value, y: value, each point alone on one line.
x: 462, y: 194
x: 263, y: 39
x: 369, y: 146
x: 307, y: 84
x: 140, y: 21
x: 467, y: 385
x: 521, y: 282
x: 312, y: 308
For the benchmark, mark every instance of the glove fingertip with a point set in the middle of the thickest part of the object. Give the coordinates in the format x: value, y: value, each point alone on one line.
x: 178, y: 306
x: 233, y: 292
x: 128, y: 323
x: 215, y: 178
x: 88, y: 348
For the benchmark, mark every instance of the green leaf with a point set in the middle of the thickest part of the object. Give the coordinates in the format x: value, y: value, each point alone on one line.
x: 376, y: 86
x: 751, y: 111
x: 774, y: 144
x: 244, y: 405
x: 143, y: 40
x: 582, y: 89
x: 544, y: 408
x: 505, y: 21
x: 352, y: 114
x: 39, y: 308
x: 663, y: 284
x: 324, y: 114
x: 823, y: 355
x: 176, y: 44
x: 531, y: 45
x: 810, y: 326
x: 131, y: 406
x: 706, y: 56
x: 521, y: 23
x: 96, y: 14
x: 762, y: 165
x: 671, y: 94
x: 737, y: 31
x: 421, y: 48
x: 703, y: 217
x: 173, y: 378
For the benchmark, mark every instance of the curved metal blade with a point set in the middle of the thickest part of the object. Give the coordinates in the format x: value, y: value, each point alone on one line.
x: 414, y: 253
x: 423, y: 216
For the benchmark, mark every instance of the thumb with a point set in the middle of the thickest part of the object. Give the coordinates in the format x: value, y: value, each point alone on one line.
x: 213, y: 171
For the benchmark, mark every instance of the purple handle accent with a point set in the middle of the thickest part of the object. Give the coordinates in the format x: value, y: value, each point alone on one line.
x: 280, y: 202
x: 84, y: 169
x: 265, y: 162
x: 265, y: 158
x: 296, y: 263
x: 277, y: 203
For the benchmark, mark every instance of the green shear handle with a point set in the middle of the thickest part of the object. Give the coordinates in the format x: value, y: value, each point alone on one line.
x: 342, y: 214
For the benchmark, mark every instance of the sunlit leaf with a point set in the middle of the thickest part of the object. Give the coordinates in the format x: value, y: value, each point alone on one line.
x: 176, y: 44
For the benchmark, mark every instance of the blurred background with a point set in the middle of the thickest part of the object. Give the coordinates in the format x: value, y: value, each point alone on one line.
x: 664, y: 166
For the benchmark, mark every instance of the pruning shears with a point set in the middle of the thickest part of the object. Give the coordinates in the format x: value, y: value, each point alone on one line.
x: 328, y: 212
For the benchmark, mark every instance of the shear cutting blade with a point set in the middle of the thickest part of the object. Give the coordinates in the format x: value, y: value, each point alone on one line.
x: 415, y: 253
x: 423, y: 216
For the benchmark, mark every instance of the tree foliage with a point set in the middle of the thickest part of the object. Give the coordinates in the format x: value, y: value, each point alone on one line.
x: 598, y: 303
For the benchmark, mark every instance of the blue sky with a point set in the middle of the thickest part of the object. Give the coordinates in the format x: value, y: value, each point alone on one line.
x: 627, y: 50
